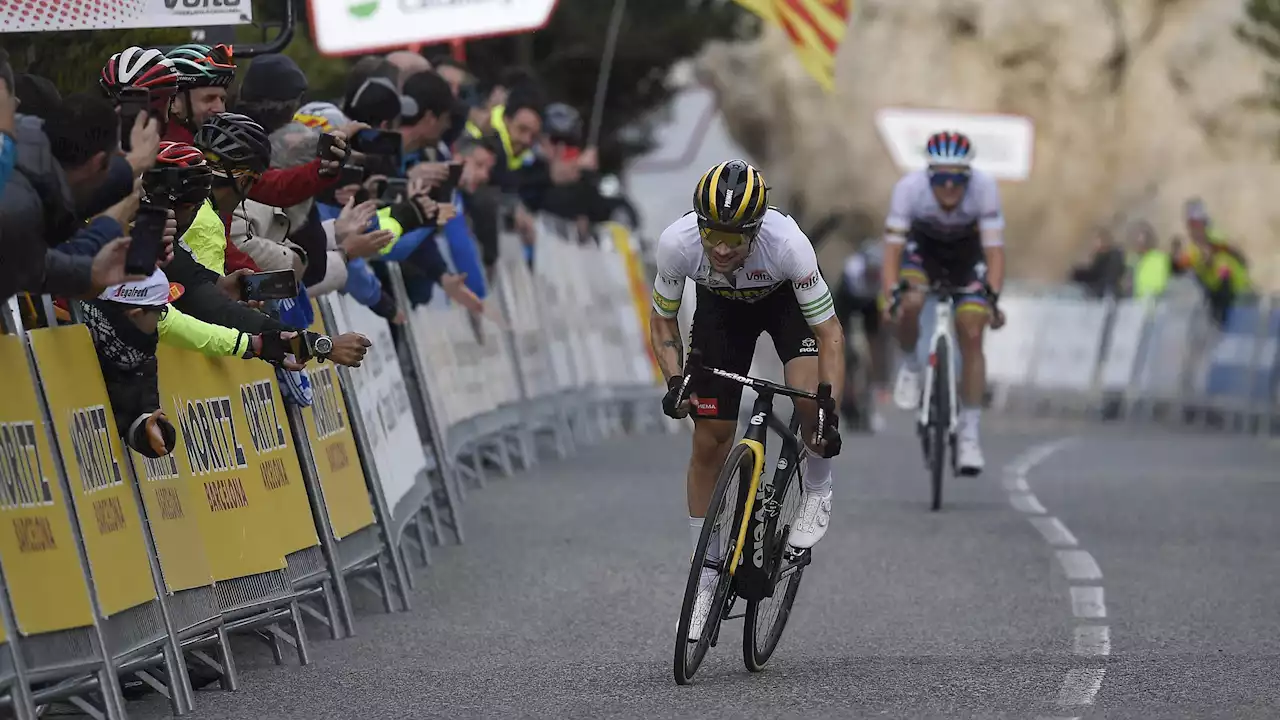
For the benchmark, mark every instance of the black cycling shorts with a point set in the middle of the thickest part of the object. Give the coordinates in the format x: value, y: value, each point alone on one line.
x: 964, y: 270
x: 726, y: 332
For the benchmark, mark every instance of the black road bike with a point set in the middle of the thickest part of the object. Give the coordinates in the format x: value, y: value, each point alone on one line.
x: 744, y: 537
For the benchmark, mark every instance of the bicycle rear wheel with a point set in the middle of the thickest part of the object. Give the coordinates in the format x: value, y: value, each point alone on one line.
x: 939, y: 421
x: 767, y: 618
x: 715, y: 550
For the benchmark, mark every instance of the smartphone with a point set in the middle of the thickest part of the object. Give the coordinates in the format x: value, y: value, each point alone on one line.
x: 377, y: 142
x: 147, y: 240
x: 350, y: 175
x: 133, y: 102
x: 443, y: 193
x: 381, y: 165
x: 397, y: 190
x: 323, y: 146
x: 273, y: 285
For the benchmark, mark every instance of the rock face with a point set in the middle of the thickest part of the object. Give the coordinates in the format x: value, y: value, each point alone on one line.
x: 1137, y: 105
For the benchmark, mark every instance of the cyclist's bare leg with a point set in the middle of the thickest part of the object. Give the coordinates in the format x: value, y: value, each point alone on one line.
x: 814, y: 513
x: 712, y: 441
x: 970, y: 323
x: 908, y: 330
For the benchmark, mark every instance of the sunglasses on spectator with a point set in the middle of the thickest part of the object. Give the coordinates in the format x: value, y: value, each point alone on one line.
x: 939, y: 178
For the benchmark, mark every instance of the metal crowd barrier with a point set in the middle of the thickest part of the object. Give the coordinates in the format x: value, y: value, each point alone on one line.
x: 119, y: 568
x: 1164, y: 360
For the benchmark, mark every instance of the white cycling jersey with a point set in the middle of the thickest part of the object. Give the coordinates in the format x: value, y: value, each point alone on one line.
x: 914, y: 210
x: 780, y: 254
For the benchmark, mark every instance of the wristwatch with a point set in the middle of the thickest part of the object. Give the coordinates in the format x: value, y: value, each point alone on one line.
x: 321, y: 346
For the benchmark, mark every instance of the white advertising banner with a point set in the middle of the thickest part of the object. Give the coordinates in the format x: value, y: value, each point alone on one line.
x: 346, y: 27
x: 1002, y: 144
x: 378, y: 386
x: 59, y: 15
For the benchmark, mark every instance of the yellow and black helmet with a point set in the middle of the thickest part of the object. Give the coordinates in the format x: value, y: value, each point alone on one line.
x: 731, y: 197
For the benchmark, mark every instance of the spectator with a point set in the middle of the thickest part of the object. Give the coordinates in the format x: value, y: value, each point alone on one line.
x: 409, y: 64
x: 1103, y: 275
x: 124, y: 323
x: 1220, y: 268
x: 38, y: 97
x: 271, y: 92
x: 518, y: 125
x: 8, y: 108
x: 59, y: 164
x: 1152, y: 267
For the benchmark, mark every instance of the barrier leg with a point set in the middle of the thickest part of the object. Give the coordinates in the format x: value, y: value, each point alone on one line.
x: 230, y: 677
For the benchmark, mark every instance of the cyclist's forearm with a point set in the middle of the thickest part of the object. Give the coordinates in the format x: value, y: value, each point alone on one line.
x: 664, y: 337
x: 995, y: 266
x: 892, y: 259
x: 830, y: 336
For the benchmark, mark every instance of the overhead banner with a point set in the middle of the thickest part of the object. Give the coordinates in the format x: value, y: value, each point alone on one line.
x: 1003, y: 144
x: 46, y: 583
x: 61, y: 15
x: 378, y: 385
x: 92, y: 453
x: 217, y: 460
x: 349, y: 27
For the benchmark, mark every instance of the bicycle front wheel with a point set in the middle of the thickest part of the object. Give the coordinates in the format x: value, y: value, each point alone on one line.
x: 767, y: 617
x: 715, y: 552
x: 939, y: 421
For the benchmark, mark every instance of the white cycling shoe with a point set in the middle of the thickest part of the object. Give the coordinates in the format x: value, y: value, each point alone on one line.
x: 906, y: 388
x: 969, y: 460
x: 811, y: 520
x: 702, y: 604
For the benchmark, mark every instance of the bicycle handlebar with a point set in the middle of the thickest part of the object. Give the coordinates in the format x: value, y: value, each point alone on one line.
x: 693, y: 365
x: 939, y: 287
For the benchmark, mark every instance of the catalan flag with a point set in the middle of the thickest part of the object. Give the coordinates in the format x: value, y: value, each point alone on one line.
x: 815, y: 27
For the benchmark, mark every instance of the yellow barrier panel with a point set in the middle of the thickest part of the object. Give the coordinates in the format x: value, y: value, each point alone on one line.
x: 346, y: 495
x: 641, y: 296
x: 91, y: 448
x: 42, y: 567
x: 274, y: 454
x: 200, y: 396
x: 171, y: 513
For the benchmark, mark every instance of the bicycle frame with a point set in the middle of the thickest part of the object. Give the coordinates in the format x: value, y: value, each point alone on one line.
x: 943, y: 315
x: 759, y: 508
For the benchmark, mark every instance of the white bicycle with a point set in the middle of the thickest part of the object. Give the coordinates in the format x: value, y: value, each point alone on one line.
x: 938, y: 416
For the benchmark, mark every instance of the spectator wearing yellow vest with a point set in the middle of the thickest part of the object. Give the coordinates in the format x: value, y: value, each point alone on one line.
x: 1152, y: 266
x: 1221, y: 269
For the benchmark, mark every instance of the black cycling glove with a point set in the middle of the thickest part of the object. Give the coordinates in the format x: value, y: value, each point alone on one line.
x: 671, y: 402
x: 829, y: 424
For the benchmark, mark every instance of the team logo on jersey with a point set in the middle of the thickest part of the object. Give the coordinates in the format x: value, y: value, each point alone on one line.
x: 671, y: 279
x: 759, y: 276
x: 746, y: 295
x: 807, y: 282
x: 808, y: 346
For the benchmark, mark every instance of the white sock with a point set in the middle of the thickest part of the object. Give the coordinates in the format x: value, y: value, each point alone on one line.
x: 695, y: 530
x: 818, y: 477
x: 971, y: 418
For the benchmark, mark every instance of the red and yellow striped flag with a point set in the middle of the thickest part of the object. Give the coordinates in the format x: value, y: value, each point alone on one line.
x: 816, y: 29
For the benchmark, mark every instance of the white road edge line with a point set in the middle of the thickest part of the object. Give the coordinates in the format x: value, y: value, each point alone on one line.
x: 1079, y: 687
x: 1027, y: 503
x: 1092, y: 640
x: 1088, y: 603
x: 1079, y: 565
x: 1054, y: 532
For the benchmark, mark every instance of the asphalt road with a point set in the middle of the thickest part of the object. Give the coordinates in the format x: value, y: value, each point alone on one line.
x: 1148, y: 586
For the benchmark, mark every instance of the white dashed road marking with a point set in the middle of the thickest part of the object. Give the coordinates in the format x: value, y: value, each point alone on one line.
x: 1088, y: 602
x: 1079, y: 686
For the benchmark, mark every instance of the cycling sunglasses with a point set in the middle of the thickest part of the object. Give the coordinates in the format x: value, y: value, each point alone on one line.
x: 939, y: 178
x: 712, y: 238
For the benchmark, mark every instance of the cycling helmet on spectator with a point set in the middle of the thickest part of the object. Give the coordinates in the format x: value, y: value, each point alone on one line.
x: 181, y: 173
x: 234, y: 145
x: 731, y: 197
x: 949, y: 148
x: 562, y: 124
x: 203, y: 66
x: 146, y: 69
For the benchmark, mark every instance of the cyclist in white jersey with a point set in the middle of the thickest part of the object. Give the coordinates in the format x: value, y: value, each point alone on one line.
x: 755, y: 271
x: 946, y: 222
